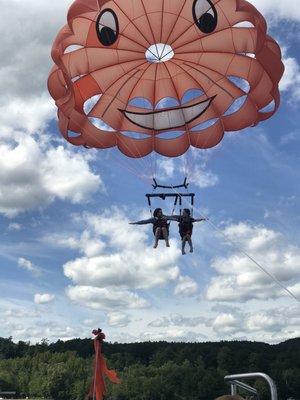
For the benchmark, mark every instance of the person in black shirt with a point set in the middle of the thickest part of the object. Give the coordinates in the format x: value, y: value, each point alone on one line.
x: 186, y: 222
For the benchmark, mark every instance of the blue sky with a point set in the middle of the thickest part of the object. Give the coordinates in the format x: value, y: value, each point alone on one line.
x: 70, y: 262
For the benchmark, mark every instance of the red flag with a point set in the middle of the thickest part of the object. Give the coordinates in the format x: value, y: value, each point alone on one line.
x: 98, y: 388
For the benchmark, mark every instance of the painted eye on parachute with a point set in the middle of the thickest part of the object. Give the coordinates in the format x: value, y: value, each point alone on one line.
x: 107, y: 27
x: 205, y: 15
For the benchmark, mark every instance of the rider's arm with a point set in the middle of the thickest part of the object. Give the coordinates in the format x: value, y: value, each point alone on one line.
x: 143, y: 222
x: 172, y: 217
x: 199, y: 219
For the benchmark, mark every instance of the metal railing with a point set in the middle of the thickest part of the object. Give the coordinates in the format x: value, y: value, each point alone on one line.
x: 234, y: 382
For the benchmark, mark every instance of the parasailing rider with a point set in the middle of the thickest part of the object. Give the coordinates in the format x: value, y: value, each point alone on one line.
x: 186, y: 222
x: 160, y: 226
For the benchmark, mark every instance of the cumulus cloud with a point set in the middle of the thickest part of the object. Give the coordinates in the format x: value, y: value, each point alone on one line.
x: 27, y: 115
x: 167, y: 168
x: 44, y: 298
x: 264, y: 321
x: 179, y: 320
x: 21, y: 313
x: 109, y: 275
x: 198, y: 174
x: 33, y: 176
x: 38, y: 332
x: 238, y: 277
x: 118, y: 319
x: 25, y: 53
x: 279, y: 9
x: 176, y: 320
x: 105, y: 298
x: 291, y: 78
x: 162, y: 322
x: 186, y: 287
x: 226, y: 324
x: 172, y: 335
x: 33, y: 173
x: 86, y: 243
x: 202, y: 177
x: 272, y: 325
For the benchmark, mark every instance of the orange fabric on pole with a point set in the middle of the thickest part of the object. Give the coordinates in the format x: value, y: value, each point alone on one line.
x: 98, y: 388
x: 119, y: 62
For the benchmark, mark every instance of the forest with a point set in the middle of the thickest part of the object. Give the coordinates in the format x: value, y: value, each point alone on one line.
x: 149, y: 371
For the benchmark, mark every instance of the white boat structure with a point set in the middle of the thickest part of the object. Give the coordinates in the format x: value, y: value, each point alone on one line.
x: 236, y: 383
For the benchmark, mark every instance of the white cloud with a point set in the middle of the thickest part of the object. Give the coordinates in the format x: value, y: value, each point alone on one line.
x: 226, y: 324
x: 174, y: 334
x: 44, y: 298
x: 27, y: 115
x: 32, y: 175
x: 68, y: 176
x: 186, y: 287
x: 272, y: 325
x: 166, y: 168
x: 239, y: 279
x: 279, y: 9
x: 13, y: 226
x: 264, y: 321
x: 179, y: 320
x: 105, y: 298
x: 118, y: 319
x: 193, y: 164
x: 25, y: 52
x: 291, y: 78
x: 162, y: 322
x: 29, y: 266
x: 295, y: 289
x: 85, y: 243
x: 176, y: 320
x: 124, y: 262
x: 203, y: 178
x: 21, y: 313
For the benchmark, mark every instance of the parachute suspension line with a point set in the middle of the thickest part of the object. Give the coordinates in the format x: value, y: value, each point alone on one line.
x: 143, y: 165
x: 234, y: 244
x: 150, y: 203
x: 175, y: 204
x: 187, y: 130
x: 123, y: 164
x: 148, y: 163
x: 192, y: 199
x: 168, y: 195
x: 153, y: 152
x: 134, y: 171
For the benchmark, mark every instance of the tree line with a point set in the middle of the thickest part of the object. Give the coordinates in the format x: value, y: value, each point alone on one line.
x: 149, y: 371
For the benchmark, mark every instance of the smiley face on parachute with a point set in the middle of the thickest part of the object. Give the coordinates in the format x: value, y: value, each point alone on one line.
x: 162, y: 75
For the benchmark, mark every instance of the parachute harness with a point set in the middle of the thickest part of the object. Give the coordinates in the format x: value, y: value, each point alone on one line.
x: 178, y: 197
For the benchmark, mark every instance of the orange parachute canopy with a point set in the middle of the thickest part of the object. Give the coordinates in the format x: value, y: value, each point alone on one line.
x: 162, y: 75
